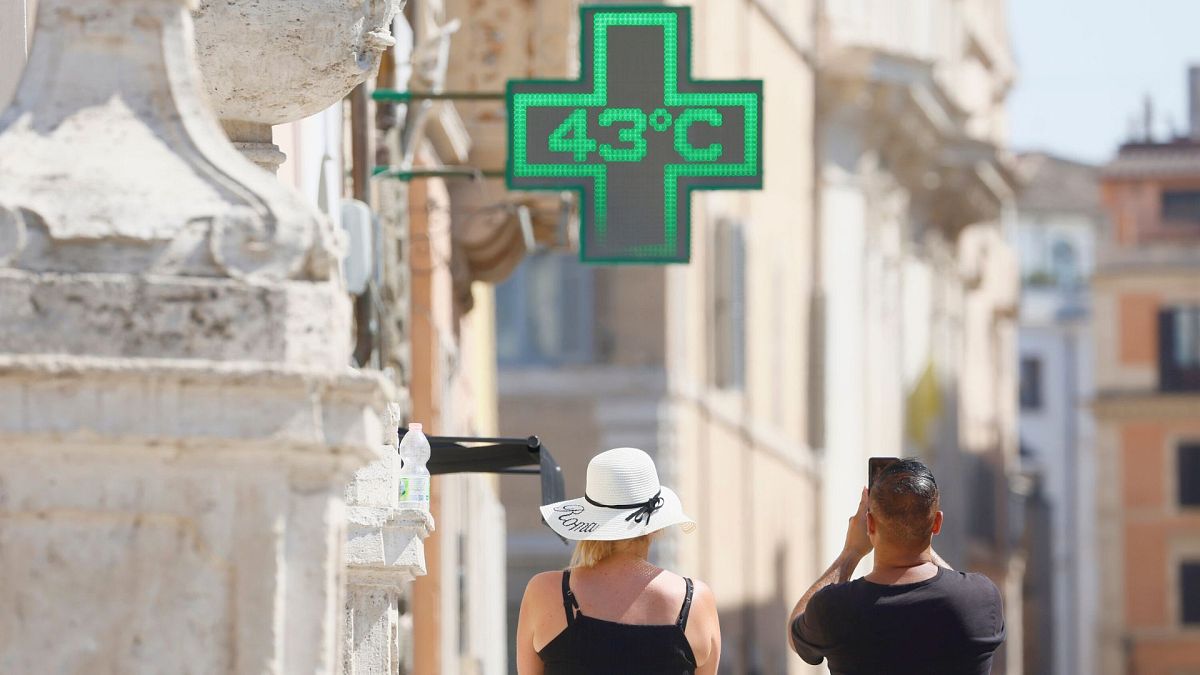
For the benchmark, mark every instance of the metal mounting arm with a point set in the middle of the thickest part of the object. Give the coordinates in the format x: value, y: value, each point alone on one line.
x: 525, y: 456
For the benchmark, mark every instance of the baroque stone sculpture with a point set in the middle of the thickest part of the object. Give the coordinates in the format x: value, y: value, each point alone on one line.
x: 267, y: 62
x: 152, y: 177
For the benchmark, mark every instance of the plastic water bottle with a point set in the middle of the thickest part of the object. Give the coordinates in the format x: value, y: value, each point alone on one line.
x: 414, y: 476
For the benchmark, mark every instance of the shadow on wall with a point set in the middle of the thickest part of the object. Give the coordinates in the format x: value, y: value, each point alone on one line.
x: 754, y: 637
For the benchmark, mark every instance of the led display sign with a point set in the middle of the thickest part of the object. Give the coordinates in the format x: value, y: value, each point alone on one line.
x: 635, y: 134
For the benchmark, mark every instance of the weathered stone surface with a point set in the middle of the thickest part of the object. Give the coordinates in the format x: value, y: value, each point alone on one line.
x: 300, y: 323
x: 385, y: 546
x: 214, y: 406
x: 276, y: 61
x: 267, y: 62
x: 168, y: 516
x: 177, y: 419
x: 108, y: 112
x: 385, y: 550
x: 64, y: 576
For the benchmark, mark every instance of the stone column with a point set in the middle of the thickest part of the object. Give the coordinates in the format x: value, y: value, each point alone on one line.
x: 384, y: 553
x: 177, y: 419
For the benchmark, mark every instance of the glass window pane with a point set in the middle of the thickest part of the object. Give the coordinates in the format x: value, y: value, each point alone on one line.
x: 1189, y: 591
x: 1181, y: 207
x: 1189, y: 474
x: 1031, y: 383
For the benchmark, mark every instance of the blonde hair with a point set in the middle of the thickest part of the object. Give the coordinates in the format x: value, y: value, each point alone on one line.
x: 589, y: 552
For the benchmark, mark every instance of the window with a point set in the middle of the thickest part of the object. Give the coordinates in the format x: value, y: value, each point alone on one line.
x: 1066, y: 263
x: 1181, y: 208
x: 1031, y: 383
x: 1189, y: 474
x: 544, y: 312
x: 728, y: 312
x: 1179, y: 348
x: 980, y: 477
x: 1189, y: 591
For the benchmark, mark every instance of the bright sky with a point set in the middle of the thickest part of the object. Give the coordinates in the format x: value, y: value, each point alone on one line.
x: 1084, y: 67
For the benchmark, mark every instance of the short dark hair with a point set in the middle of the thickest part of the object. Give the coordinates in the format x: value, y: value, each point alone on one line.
x: 905, y: 497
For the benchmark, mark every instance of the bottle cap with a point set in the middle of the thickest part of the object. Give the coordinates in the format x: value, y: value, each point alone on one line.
x: 414, y: 426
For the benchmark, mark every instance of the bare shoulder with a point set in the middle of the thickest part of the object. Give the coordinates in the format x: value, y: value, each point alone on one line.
x: 544, y: 583
x: 703, y: 629
x: 669, y: 587
x: 543, y: 588
x: 703, y: 599
x: 701, y: 589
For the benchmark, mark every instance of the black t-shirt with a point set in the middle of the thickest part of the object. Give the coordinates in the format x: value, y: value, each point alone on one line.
x: 949, y: 624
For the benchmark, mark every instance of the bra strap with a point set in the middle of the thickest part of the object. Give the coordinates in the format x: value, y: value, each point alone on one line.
x: 687, y: 605
x: 570, y: 605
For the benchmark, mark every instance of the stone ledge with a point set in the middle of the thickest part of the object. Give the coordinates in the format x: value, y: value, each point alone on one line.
x: 160, y: 316
x: 1141, y: 405
x: 192, y: 405
x: 385, y: 546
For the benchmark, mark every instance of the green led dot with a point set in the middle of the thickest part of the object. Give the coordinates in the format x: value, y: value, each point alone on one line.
x: 660, y: 119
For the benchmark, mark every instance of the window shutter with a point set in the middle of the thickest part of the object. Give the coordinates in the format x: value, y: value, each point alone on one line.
x: 1189, y: 474
x: 1167, y: 372
x: 1189, y: 592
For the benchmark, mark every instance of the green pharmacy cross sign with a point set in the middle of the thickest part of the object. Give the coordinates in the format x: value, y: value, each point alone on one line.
x: 635, y: 134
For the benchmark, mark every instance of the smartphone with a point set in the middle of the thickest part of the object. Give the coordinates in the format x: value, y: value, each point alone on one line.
x: 875, y: 465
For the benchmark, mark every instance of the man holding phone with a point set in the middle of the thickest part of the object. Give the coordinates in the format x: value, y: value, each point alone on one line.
x: 913, y: 614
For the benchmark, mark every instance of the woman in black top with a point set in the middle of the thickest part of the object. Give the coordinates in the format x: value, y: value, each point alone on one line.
x: 613, y: 611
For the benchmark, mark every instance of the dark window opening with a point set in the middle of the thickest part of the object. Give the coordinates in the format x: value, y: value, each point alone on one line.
x: 728, y: 309
x: 1189, y: 591
x: 1031, y: 383
x: 1066, y: 264
x: 1179, y: 348
x: 1189, y: 474
x: 1181, y: 208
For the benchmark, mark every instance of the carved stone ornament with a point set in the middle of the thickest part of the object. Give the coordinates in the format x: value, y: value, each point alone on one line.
x: 12, y: 234
x: 267, y: 62
x: 111, y: 160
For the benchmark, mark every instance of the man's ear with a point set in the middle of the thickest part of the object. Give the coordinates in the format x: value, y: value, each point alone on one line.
x: 870, y: 523
x: 937, y: 523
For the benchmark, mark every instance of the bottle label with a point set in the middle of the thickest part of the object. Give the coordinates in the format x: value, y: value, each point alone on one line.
x: 414, y: 489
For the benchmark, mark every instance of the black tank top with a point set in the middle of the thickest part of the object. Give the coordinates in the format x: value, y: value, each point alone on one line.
x: 590, y: 646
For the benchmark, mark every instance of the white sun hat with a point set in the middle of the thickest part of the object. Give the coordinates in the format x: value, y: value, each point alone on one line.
x: 623, y: 500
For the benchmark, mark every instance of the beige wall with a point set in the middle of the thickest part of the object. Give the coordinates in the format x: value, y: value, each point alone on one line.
x: 742, y: 455
x: 630, y: 309
x: 456, y: 628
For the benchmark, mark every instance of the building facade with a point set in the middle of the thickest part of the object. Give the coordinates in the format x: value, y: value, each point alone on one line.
x: 1147, y: 343
x: 1059, y: 220
x: 862, y: 304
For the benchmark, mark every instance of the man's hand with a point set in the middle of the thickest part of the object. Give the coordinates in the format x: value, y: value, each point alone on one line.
x: 858, y: 541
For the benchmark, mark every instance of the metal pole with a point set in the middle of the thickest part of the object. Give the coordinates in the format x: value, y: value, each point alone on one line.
x: 406, y: 96
x: 440, y: 172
